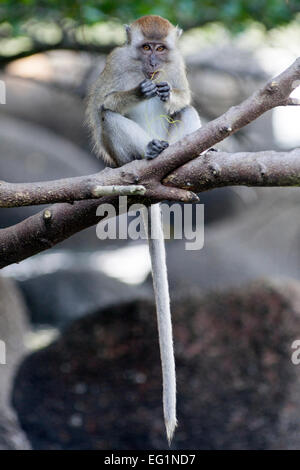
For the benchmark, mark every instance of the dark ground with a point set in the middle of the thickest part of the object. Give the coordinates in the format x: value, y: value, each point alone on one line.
x: 99, y: 385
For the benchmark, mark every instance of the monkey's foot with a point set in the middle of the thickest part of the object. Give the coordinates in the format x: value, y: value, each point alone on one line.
x: 155, y: 147
x: 163, y: 90
x: 148, y: 88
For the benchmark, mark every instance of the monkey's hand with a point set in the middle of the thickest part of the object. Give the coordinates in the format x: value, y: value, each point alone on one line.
x: 155, y: 147
x: 163, y: 90
x: 148, y: 88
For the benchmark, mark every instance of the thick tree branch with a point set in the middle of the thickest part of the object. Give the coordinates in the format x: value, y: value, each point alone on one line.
x: 214, y: 169
x: 217, y: 169
x: 47, y: 228
x: 65, y: 190
x: 110, y: 181
x: 60, y: 221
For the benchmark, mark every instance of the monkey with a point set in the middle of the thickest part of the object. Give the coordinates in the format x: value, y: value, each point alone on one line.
x: 138, y: 106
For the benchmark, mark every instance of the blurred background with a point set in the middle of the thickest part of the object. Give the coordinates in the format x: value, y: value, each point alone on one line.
x: 83, y: 368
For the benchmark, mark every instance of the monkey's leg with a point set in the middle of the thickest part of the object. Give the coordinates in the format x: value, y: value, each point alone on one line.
x: 183, y: 123
x: 153, y: 226
x: 123, y: 138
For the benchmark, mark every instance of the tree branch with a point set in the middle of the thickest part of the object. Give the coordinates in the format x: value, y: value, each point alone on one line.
x: 214, y: 169
x: 60, y: 221
x: 65, y: 190
x: 218, y: 169
x: 110, y: 181
x: 38, y: 47
x: 47, y: 228
x: 275, y: 93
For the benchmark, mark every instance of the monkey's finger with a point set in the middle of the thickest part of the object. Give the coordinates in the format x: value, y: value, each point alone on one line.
x: 160, y: 144
x: 149, y: 90
x: 147, y: 82
x: 150, y: 94
x: 147, y: 87
x: 164, y: 97
x: 154, y: 148
x: 164, y: 88
x: 162, y: 91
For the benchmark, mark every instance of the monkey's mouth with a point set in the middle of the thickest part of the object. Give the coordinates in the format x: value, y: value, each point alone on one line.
x: 152, y: 74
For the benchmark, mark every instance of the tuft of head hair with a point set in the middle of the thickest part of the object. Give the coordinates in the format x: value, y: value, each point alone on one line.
x: 153, y: 26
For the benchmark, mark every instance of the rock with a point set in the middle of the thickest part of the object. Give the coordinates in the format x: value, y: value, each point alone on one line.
x: 224, y: 76
x: 32, y: 153
x: 12, y: 329
x: 60, y: 297
x: 55, y: 109
x: 99, y: 385
x: 263, y: 241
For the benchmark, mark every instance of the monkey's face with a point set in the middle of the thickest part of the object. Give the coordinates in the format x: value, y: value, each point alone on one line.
x: 153, y: 55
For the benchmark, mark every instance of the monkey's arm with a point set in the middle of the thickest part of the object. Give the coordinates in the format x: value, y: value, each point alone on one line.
x: 174, y: 98
x: 179, y: 99
x: 121, y: 101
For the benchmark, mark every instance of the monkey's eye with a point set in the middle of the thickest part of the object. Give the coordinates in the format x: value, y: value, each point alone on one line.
x: 146, y: 47
x: 160, y: 48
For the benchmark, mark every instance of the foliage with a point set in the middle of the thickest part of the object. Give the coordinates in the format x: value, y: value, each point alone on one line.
x: 233, y: 13
x: 27, y: 22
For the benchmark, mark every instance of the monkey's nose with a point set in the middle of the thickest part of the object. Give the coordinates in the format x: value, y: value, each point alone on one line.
x: 153, y: 61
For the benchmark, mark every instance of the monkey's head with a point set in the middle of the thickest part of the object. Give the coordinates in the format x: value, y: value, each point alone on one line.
x: 153, y: 42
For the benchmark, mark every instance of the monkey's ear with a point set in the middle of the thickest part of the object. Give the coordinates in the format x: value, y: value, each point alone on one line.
x: 128, y: 33
x: 178, y: 32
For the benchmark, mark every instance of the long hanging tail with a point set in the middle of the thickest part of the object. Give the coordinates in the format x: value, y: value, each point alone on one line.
x: 162, y: 299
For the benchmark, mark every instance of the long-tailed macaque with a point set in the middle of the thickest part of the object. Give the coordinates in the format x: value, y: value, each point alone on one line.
x: 137, y: 107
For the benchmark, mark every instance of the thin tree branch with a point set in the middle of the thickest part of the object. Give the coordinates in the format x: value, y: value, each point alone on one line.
x: 38, y: 47
x: 130, y: 190
x: 275, y: 93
